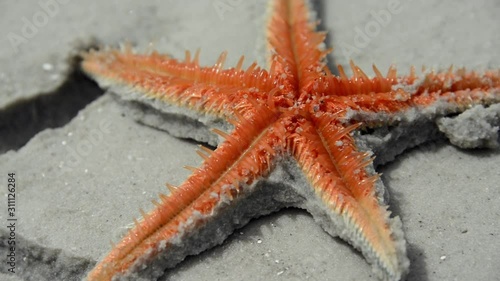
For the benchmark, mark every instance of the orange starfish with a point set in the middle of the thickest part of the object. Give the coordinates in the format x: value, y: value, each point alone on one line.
x: 295, y: 114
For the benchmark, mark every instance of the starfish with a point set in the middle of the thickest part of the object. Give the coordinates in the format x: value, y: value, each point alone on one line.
x: 295, y: 116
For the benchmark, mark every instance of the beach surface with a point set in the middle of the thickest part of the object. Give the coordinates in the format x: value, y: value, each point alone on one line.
x: 83, y: 167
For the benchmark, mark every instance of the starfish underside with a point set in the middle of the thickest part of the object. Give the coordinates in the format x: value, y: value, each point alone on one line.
x: 294, y: 110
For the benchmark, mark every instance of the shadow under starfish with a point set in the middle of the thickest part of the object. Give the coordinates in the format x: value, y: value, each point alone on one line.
x: 296, y: 140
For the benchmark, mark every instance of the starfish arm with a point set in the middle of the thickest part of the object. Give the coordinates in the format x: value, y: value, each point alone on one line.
x: 297, y: 50
x: 458, y: 90
x: 346, y: 192
x: 438, y: 93
x: 214, y: 189
x: 211, y: 90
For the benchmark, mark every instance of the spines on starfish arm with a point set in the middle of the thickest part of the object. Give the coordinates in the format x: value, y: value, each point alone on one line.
x: 428, y: 95
x: 327, y: 154
x: 356, y: 85
x: 460, y: 89
x: 184, y: 83
x: 247, y: 154
x: 433, y: 93
x: 297, y: 50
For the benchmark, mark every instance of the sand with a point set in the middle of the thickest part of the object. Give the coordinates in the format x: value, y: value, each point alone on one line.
x: 79, y: 185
